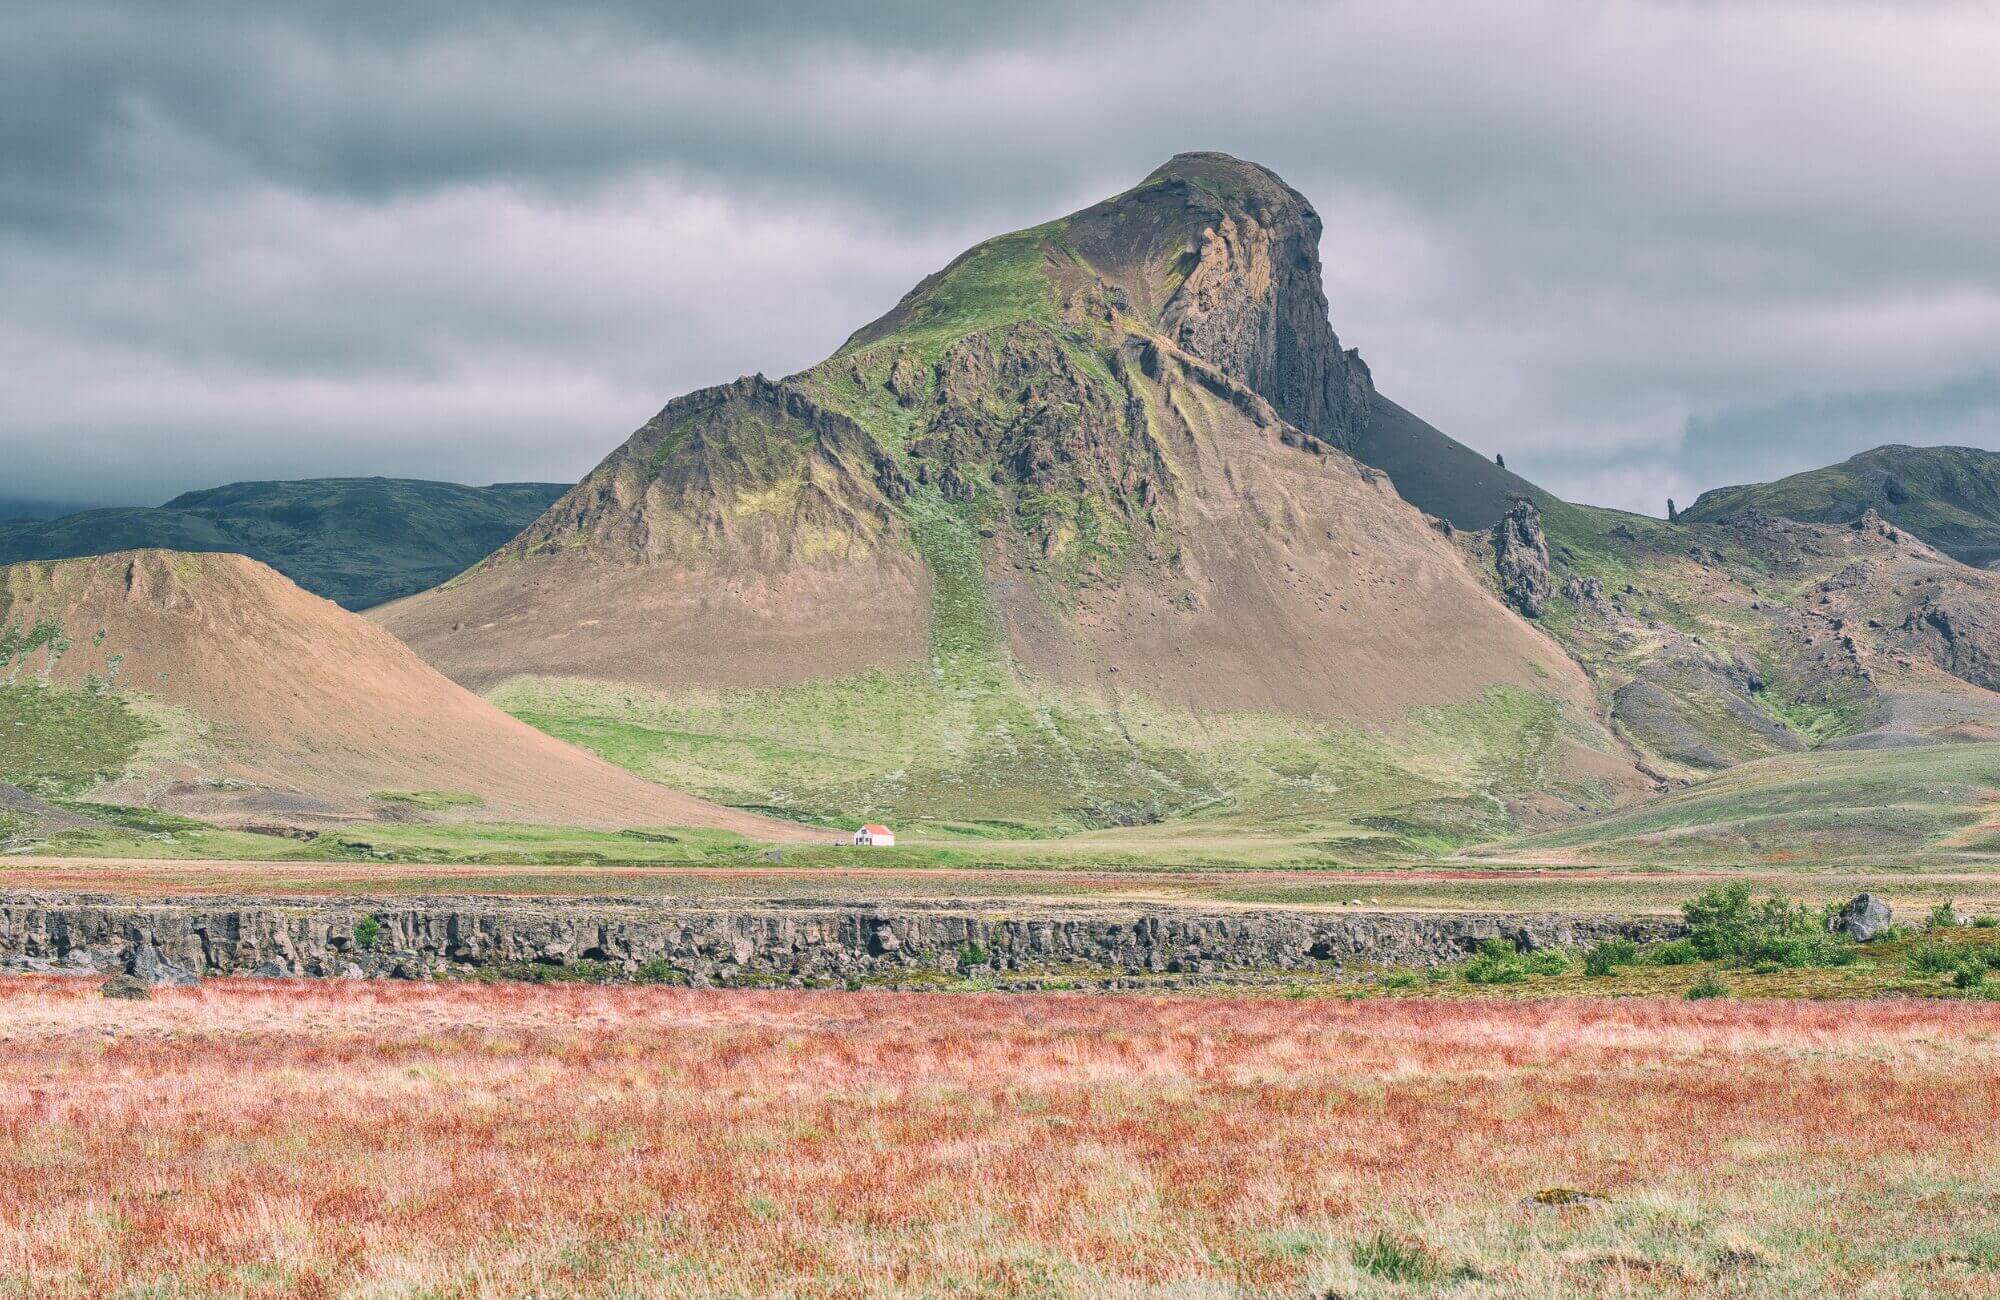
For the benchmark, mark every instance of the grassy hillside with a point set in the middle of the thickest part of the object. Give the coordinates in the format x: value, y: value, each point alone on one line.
x: 1894, y: 807
x: 356, y: 541
x: 1949, y: 496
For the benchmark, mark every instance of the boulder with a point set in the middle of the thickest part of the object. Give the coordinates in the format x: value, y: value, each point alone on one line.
x: 1864, y: 917
x: 127, y: 988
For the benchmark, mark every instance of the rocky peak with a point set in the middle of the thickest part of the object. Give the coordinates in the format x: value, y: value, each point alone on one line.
x: 1223, y: 256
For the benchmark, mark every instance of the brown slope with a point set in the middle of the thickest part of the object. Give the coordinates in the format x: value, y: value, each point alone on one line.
x: 1296, y: 580
x: 743, y: 536
x: 306, y: 708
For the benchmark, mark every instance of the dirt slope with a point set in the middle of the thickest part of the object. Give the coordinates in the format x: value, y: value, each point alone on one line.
x: 263, y: 699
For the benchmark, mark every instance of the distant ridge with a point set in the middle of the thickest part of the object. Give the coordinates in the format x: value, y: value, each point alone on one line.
x: 356, y: 541
x: 1949, y: 496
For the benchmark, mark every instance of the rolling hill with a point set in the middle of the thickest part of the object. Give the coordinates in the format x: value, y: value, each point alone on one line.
x: 1948, y: 496
x: 1072, y: 536
x: 356, y: 541
x: 210, y: 685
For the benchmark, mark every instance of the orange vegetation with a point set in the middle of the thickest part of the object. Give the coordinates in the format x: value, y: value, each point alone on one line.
x: 270, y: 1138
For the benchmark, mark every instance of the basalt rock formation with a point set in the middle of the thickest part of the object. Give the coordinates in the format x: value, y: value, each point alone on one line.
x: 727, y: 943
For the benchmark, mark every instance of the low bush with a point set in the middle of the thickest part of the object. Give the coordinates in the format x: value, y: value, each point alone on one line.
x: 1986, y: 922
x: 1678, y: 952
x: 1488, y: 969
x: 1546, y: 963
x: 1932, y: 959
x: 1402, y: 979
x: 1606, y: 956
x: 1969, y: 976
x: 1708, y: 986
x: 1943, y: 917
x: 972, y: 957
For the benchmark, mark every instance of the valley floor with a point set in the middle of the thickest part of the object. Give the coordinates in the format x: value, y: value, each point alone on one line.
x: 1972, y: 882
x: 302, y: 1138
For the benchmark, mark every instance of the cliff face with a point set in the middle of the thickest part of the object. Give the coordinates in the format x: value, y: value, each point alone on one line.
x: 1232, y: 255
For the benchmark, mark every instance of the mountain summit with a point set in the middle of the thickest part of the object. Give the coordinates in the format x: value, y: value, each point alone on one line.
x: 1074, y: 511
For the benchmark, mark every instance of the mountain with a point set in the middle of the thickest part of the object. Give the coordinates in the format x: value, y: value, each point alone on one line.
x: 1071, y: 536
x: 13, y: 509
x: 1948, y: 496
x: 210, y: 685
x: 357, y: 541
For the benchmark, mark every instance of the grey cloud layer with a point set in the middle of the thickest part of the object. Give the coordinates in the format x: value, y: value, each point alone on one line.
x: 482, y: 242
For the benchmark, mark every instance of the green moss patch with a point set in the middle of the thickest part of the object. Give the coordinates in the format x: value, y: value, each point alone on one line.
x: 60, y: 741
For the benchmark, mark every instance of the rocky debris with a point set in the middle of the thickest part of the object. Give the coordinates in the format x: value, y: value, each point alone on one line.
x: 804, y: 941
x: 1864, y: 917
x: 1948, y: 625
x: 1584, y: 591
x: 1521, y: 557
x: 127, y: 988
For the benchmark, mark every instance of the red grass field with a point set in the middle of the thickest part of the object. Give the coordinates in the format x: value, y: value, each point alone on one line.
x: 428, y: 1140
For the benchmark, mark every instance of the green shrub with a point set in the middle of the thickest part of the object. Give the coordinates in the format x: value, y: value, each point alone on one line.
x: 1969, y: 976
x: 1606, y: 956
x: 1678, y: 952
x: 1986, y: 922
x: 366, y: 930
x: 659, y: 971
x: 1488, y: 969
x: 1943, y: 917
x: 1726, y: 924
x: 1546, y: 963
x: 1497, y: 948
x: 1708, y: 986
x: 1932, y: 959
x: 1402, y: 979
x: 972, y: 957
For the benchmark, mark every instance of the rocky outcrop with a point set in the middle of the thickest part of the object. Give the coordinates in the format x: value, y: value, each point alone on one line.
x: 805, y: 942
x: 1252, y: 301
x: 1952, y: 626
x: 1521, y: 557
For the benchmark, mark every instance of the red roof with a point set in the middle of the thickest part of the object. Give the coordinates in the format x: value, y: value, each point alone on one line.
x: 873, y: 829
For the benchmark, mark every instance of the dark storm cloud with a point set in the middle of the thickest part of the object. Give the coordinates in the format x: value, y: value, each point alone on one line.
x: 482, y: 241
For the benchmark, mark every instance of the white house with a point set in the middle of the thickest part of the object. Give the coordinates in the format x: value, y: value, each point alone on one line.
x: 880, y: 837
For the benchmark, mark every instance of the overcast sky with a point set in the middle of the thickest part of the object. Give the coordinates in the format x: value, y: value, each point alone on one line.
x: 1642, y: 249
